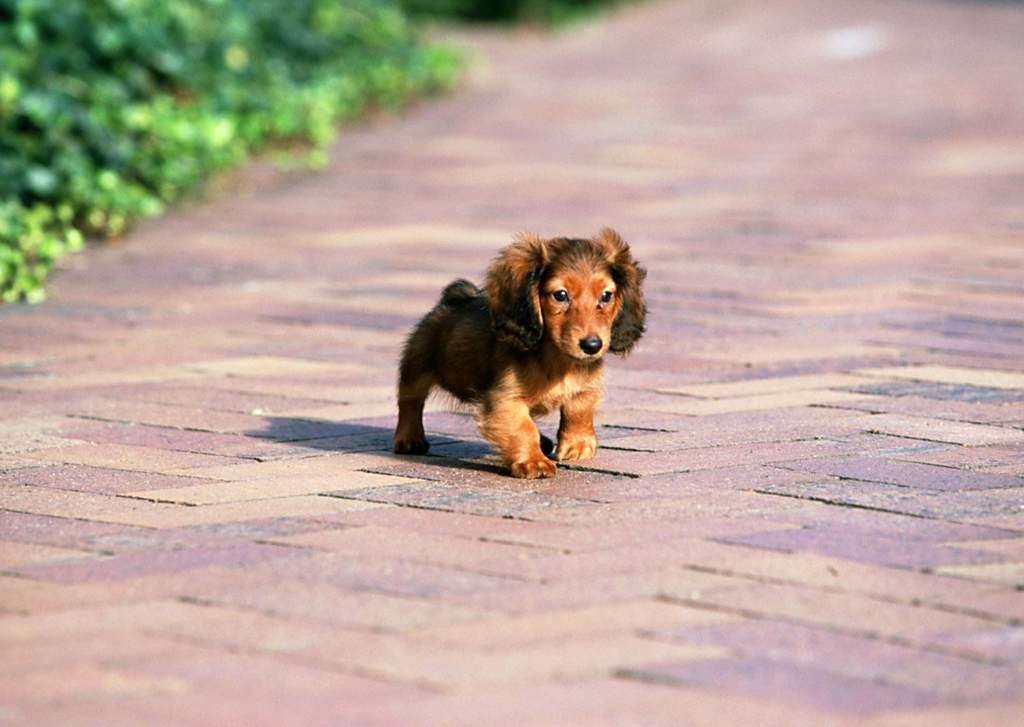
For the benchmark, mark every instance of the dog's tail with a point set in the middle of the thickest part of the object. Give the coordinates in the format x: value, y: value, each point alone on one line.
x: 459, y: 293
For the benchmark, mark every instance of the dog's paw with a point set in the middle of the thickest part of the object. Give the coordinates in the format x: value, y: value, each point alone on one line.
x: 411, y: 445
x: 581, y: 446
x: 533, y: 469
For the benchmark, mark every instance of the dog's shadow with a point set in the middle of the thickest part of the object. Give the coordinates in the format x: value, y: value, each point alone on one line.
x: 446, y: 450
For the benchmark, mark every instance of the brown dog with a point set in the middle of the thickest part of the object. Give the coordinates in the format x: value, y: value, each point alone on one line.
x: 532, y: 342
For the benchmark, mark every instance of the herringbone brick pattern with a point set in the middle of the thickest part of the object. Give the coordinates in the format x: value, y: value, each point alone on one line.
x: 808, y: 507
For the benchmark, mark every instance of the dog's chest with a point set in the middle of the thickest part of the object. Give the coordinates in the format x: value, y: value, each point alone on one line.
x: 555, y: 396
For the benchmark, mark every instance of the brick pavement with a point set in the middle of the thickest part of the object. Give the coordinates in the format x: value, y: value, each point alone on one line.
x: 809, y: 504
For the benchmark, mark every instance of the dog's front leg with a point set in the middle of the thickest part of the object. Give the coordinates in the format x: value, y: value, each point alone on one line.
x: 576, y: 438
x: 507, y: 424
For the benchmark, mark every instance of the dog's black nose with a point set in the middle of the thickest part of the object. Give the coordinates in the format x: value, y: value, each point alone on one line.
x: 590, y: 345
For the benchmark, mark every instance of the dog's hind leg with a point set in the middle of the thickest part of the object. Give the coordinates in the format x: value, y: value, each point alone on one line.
x: 412, y: 395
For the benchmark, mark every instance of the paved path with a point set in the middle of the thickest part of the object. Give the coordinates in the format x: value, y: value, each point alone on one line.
x: 808, y: 504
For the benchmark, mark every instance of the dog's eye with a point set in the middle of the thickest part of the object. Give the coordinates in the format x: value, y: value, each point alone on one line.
x: 560, y: 295
x: 606, y: 296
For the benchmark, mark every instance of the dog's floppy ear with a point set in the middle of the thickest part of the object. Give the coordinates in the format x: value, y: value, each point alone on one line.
x: 513, y: 290
x: 629, y: 277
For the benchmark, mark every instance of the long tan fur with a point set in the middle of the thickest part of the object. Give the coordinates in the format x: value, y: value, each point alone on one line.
x: 528, y: 343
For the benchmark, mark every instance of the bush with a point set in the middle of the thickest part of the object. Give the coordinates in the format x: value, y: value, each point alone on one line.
x: 542, y: 10
x: 109, y: 109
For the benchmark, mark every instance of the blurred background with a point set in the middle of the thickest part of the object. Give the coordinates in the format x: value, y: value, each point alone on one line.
x: 111, y: 109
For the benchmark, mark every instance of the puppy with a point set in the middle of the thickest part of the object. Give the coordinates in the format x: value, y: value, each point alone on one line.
x: 531, y: 342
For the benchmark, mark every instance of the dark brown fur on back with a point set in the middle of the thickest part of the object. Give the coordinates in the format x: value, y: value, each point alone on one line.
x: 530, y: 342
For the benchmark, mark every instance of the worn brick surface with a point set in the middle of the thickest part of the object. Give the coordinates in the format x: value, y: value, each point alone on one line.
x: 786, y: 384
x: 808, y: 506
x: 908, y: 474
x: 316, y: 464
x: 941, y: 430
x: 965, y: 505
x: 606, y: 702
x: 229, y: 445
x: 974, y: 458
x: 290, y: 598
x: 100, y: 480
x: 13, y: 554
x: 954, y: 410
x: 875, y: 660
x: 554, y: 625
x: 42, y: 529
x: 955, y: 375
x: 813, y: 686
x: 133, y: 565
x: 238, y: 491
x: 843, y: 612
x: 869, y: 547
x: 129, y: 457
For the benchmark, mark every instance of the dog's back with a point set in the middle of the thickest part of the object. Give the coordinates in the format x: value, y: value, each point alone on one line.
x: 460, y: 292
x: 453, y: 342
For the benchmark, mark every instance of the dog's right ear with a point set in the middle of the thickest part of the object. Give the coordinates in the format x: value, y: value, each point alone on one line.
x: 513, y: 291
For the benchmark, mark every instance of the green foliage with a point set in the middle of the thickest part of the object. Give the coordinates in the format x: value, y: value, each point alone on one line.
x: 543, y: 10
x: 110, y: 109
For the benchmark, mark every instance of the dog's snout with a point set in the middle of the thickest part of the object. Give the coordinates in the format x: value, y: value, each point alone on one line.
x: 590, y: 345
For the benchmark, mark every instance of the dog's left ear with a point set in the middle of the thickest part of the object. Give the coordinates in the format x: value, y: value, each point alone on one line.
x: 629, y: 277
x: 513, y: 291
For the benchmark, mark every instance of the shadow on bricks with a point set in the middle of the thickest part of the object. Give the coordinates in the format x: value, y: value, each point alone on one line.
x: 353, y: 436
x: 349, y: 437
x: 325, y: 434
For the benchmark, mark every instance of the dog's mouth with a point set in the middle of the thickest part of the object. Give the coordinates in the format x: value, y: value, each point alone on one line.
x: 585, y: 357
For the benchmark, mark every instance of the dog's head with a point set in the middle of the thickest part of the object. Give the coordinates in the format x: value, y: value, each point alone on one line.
x: 582, y: 296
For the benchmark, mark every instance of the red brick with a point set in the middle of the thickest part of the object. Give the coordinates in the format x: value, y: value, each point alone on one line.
x: 820, y: 275
x: 165, y: 415
x: 213, y: 492
x: 971, y: 458
x: 229, y: 445
x: 593, y: 589
x: 865, y: 546
x: 255, y: 403
x: 688, y: 460
x: 561, y: 625
x: 961, y: 411
x: 954, y: 375
x: 961, y: 506
x: 940, y: 430
x: 907, y: 474
x: 98, y: 480
x: 67, y: 532
x: 813, y: 687
x: 135, y: 565
x: 841, y: 611
x: 94, y: 620
x: 17, y: 556
x: 127, y: 457
x: 328, y: 604
x: 757, y: 387
x: 600, y: 702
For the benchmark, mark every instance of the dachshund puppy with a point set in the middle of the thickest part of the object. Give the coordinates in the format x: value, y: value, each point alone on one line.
x: 531, y: 342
